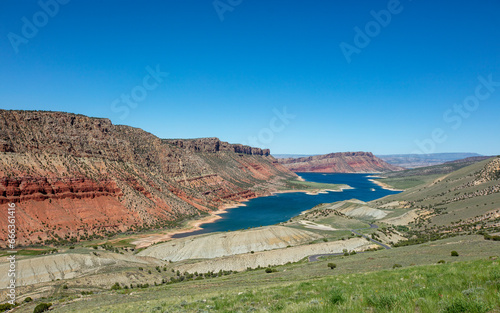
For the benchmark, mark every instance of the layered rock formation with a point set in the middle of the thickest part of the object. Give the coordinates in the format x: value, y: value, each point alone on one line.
x: 74, y: 177
x: 230, y: 243
x: 215, y: 145
x: 343, y: 162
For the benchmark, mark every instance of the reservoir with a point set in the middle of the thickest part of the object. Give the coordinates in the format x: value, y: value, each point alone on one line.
x: 281, y: 207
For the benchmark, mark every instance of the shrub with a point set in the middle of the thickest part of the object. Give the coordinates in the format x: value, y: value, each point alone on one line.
x: 72, y: 247
x: 42, y: 307
x: 397, y: 266
x: 65, y: 287
x: 454, y: 253
x: 386, y: 302
x: 116, y: 286
x: 441, y: 261
x: 336, y: 297
x: 27, y: 299
x: 5, y: 307
x: 461, y: 305
x: 332, y: 265
x: 271, y: 270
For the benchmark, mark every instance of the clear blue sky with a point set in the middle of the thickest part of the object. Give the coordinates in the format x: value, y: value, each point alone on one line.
x: 231, y: 67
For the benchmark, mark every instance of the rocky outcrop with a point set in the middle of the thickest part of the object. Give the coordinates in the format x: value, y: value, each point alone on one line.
x: 215, y: 145
x: 489, y: 173
x: 343, y: 162
x: 74, y: 177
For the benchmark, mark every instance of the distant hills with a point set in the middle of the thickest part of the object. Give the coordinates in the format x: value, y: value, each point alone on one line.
x: 343, y: 162
x: 408, y: 160
x: 422, y: 160
x: 440, y: 169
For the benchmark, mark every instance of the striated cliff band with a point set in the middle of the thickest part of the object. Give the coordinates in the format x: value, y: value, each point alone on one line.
x: 74, y: 177
x: 342, y: 162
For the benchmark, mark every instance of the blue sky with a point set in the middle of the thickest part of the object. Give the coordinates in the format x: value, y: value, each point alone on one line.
x: 267, y: 73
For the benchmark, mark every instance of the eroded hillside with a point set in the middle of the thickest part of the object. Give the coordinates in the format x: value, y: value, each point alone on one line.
x: 74, y: 177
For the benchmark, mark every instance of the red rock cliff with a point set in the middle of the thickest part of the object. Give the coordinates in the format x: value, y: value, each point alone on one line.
x: 73, y: 177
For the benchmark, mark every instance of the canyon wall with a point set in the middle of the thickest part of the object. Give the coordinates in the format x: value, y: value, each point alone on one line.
x: 74, y: 177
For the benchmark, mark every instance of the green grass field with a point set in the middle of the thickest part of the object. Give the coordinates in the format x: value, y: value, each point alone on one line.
x: 433, y: 288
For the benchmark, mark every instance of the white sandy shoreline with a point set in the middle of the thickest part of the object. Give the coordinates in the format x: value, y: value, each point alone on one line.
x: 383, y: 185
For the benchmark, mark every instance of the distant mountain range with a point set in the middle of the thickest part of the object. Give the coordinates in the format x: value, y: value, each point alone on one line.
x: 407, y: 160
x: 422, y: 160
x: 342, y: 162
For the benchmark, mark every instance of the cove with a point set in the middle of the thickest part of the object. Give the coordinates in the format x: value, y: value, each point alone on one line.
x: 264, y: 211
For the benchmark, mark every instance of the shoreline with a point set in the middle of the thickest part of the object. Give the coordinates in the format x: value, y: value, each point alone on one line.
x: 194, y: 225
x: 314, y: 192
x: 384, y: 185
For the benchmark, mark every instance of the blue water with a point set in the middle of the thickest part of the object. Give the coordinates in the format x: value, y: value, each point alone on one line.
x: 279, y: 208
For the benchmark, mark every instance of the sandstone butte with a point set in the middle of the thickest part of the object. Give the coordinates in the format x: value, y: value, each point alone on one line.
x: 342, y: 162
x: 74, y: 177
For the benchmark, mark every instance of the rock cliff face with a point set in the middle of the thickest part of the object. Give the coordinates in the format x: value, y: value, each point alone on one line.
x: 74, y: 177
x: 215, y: 145
x: 343, y: 162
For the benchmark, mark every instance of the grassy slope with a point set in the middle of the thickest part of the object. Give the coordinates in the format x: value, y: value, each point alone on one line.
x: 313, y: 287
x: 434, y: 196
x: 408, y: 182
x: 418, y: 176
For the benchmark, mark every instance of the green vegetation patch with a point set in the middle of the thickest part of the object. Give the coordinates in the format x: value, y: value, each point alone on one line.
x: 30, y: 252
x: 305, y: 185
x: 408, y: 181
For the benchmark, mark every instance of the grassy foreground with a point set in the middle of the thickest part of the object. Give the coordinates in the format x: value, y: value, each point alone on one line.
x: 469, y: 286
